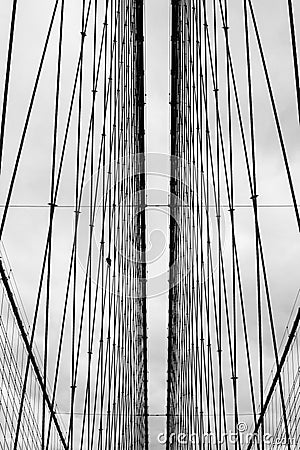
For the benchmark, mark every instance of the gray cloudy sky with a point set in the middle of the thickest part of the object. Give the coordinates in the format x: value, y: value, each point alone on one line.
x: 25, y: 230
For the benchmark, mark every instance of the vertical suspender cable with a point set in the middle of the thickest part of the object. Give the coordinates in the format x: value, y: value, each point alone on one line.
x: 140, y: 117
x: 175, y: 5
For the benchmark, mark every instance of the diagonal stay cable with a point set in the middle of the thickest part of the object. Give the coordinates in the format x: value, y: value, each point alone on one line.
x: 48, y: 236
x: 276, y: 377
x: 295, y: 55
x: 30, y: 353
x: 32, y: 99
x: 7, y: 77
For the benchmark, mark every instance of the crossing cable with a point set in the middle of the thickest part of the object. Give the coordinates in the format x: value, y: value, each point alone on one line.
x: 218, y: 218
x: 215, y: 194
x: 11, y: 376
x: 175, y: 61
x: 183, y: 314
x: 140, y: 118
x: 264, y: 275
x: 30, y: 353
x: 92, y: 153
x: 89, y: 253
x: 52, y: 206
x: 275, y: 113
x: 214, y: 288
x: 267, y: 292
x: 276, y: 376
x: 26, y: 124
x: 260, y: 241
x: 52, y: 218
x: 259, y: 250
x: 257, y: 233
x: 260, y: 246
x: 235, y: 267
